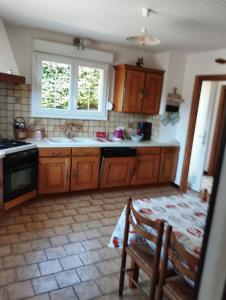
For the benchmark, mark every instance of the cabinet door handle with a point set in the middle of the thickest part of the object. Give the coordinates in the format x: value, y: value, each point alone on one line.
x: 57, y: 153
x: 74, y: 173
x: 141, y: 94
x: 67, y: 175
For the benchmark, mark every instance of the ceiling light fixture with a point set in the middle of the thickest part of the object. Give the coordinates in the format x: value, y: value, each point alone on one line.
x: 144, y: 38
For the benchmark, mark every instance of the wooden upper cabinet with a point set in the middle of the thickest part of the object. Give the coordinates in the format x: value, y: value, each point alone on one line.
x: 168, y: 165
x: 54, y: 174
x: 147, y: 169
x: 152, y: 93
x: 137, y: 90
x: 117, y: 171
x: 134, y: 91
x: 85, y: 172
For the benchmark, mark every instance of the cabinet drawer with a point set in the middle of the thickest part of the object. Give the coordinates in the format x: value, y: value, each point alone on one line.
x: 170, y: 150
x: 85, y: 151
x: 148, y: 150
x: 43, y: 152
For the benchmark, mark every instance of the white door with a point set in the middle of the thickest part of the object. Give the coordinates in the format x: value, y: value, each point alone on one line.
x: 201, y: 136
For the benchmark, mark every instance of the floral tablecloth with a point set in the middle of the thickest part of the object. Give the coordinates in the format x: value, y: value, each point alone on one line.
x: 186, y: 213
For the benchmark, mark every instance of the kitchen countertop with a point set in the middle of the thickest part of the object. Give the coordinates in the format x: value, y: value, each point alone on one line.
x: 92, y: 142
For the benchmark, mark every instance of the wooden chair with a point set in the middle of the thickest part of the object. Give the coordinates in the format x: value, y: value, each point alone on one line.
x: 176, y: 287
x: 142, y: 257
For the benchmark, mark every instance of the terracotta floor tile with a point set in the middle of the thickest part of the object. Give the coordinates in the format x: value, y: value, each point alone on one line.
x: 79, y: 227
x: 67, y: 278
x: 108, y: 284
x: 32, y: 226
x: 35, y: 257
x: 70, y: 262
x: 44, y: 284
x: 65, y: 294
x: 91, y: 244
x: 87, y: 290
x: 40, y: 244
x: 55, y: 252
x: 28, y: 236
x: 9, y: 239
x: 81, y: 218
x: 87, y: 273
x: 107, y: 230
x: 93, y: 233
x: 40, y: 297
x: 109, y: 221
x: 46, y: 233
x: 22, y: 219
x: 27, y: 272
x: 77, y: 236
x: 39, y: 217
x: 107, y: 267
x: 90, y: 257
x: 107, y: 253
x: 21, y: 248
x: 62, y: 229
x: 12, y: 261
x: 54, y: 214
x: 94, y: 224
x: 50, y: 223
x: 95, y: 215
x: 20, y: 290
x: 74, y: 248
x: 69, y: 212
x: 59, y: 240
x: 50, y: 267
x: 5, y: 250
x: 7, y: 276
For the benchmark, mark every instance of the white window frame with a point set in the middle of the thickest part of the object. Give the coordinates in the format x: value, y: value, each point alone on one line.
x: 71, y: 113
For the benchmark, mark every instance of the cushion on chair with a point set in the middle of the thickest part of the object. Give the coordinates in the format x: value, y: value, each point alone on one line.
x: 176, y: 287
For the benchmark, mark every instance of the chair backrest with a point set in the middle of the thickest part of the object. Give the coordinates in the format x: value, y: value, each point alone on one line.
x: 183, y: 261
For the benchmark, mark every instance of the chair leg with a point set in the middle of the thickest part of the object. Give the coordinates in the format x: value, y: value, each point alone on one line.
x: 152, y: 288
x: 122, y: 273
x: 135, y: 274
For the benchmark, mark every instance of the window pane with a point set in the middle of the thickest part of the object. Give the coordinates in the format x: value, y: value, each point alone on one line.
x: 55, y: 85
x: 89, y: 88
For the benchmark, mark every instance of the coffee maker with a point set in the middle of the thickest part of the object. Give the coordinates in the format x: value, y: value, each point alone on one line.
x: 144, y: 129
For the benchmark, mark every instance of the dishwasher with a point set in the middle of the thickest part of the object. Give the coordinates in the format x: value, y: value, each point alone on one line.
x: 117, y: 166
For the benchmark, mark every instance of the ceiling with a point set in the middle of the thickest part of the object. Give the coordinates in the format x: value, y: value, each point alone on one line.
x: 187, y: 25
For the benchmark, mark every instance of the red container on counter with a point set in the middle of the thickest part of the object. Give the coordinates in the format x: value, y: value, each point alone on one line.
x: 101, y: 134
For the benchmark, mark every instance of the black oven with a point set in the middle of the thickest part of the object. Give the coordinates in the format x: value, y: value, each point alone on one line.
x: 20, y: 173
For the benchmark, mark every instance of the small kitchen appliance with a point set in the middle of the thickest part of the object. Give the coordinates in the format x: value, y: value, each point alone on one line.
x: 144, y: 129
x: 118, y: 134
x: 20, y: 128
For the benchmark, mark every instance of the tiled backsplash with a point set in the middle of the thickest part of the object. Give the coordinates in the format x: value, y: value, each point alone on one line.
x: 15, y: 101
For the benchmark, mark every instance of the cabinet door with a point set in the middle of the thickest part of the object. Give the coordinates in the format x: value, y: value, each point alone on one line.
x: 134, y: 91
x: 168, y: 164
x: 54, y: 174
x: 147, y: 169
x: 85, y: 172
x: 117, y: 171
x: 152, y: 93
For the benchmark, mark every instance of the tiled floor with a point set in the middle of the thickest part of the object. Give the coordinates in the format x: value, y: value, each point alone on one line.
x: 56, y: 248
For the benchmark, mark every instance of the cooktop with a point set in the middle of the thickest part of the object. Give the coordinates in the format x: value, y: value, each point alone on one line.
x: 11, y: 143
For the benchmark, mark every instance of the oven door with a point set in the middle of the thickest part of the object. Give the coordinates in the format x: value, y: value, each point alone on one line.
x: 19, y: 180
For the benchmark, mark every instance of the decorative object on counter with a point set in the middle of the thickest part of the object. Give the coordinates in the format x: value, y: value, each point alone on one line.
x: 20, y: 128
x: 71, y: 128
x: 144, y: 130
x: 101, y: 134
x: 118, y: 134
x: 140, y: 61
x: 109, y: 105
x: 136, y: 138
x: 171, y: 114
x: 39, y: 134
x: 144, y: 38
x: 79, y: 43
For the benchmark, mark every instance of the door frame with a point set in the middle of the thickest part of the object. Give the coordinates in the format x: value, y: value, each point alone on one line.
x: 217, y: 131
x: 192, y: 123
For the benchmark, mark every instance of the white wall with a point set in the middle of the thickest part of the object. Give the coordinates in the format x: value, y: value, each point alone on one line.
x: 214, y: 272
x: 197, y: 64
x: 7, y: 59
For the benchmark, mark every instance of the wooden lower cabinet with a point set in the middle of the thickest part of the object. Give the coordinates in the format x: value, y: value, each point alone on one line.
x: 117, y: 171
x: 85, y: 172
x: 54, y: 174
x: 169, y: 157
x: 147, y: 169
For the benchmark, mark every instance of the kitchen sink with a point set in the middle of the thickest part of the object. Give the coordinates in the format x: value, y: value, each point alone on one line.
x: 59, y: 140
x: 83, y: 140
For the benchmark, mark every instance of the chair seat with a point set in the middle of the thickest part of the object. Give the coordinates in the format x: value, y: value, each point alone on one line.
x: 177, y: 288
x: 143, y: 256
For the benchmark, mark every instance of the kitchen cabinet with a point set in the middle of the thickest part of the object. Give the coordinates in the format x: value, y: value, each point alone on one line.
x: 137, y: 90
x: 85, y: 169
x: 168, y: 165
x: 147, y: 166
x: 116, y: 171
x: 54, y: 174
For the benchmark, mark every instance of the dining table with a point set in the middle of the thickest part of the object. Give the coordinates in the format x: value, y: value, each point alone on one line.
x: 185, y: 212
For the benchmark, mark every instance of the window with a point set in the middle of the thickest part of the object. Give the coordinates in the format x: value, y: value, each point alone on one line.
x: 67, y: 87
